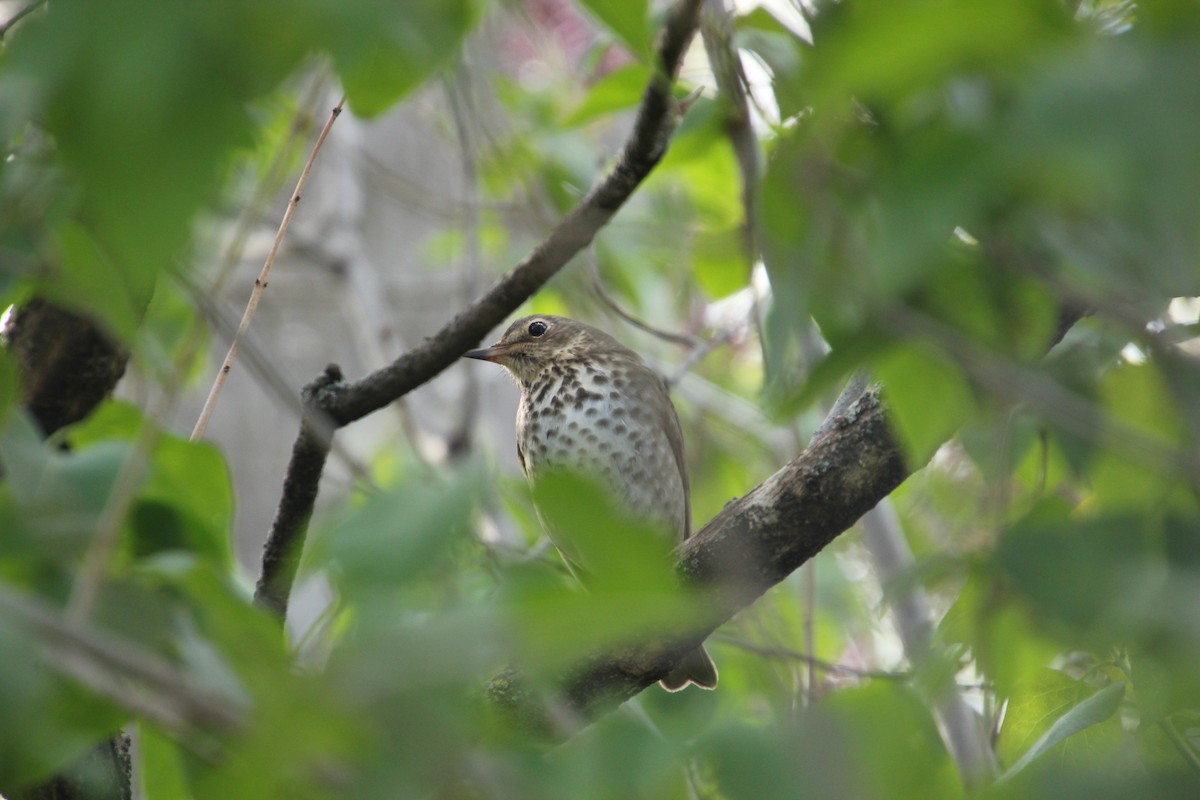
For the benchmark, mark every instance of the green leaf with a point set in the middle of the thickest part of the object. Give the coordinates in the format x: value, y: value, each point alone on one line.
x: 8, y: 385
x: 1098, y: 582
x: 621, y: 756
x: 1033, y: 706
x: 1137, y: 397
x: 400, y: 535
x: 92, y: 283
x: 214, y: 622
x: 1097, y: 152
x: 1068, y: 566
x: 57, y: 496
x: 112, y: 420
x: 1010, y: 314
x: 628, y: 21
x: 191, y: 482
x: 1092, y: 711
x: 384, y: 52
x: 619, y: 90
x: 628, y: 589
x: 597, y: 533
x: 878, y: 50
x: 897, y: 743
x: 701, y: 157
x: 871, y: 742
x: 928, y: 397
x: 815, y: 251
x: 48, y: 721
x: 720, y: 261
x: 186, y: 499
x: 160, y: 766
x: 143, y: 147
x: 222, y: 638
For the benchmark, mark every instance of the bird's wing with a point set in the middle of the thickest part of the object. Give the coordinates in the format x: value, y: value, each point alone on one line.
x: 669, y: 422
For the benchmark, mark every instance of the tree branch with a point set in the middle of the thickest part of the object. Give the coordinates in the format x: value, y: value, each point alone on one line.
x: 852, y: 463
x: 725, y: 61
x: 341, y: 403
x: 961, y: 726
x: 754, y: 543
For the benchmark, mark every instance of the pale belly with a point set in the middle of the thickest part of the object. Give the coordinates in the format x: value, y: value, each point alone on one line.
x: 600, y: 431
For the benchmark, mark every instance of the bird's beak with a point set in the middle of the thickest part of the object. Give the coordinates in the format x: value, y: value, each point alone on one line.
x: 492, y: 353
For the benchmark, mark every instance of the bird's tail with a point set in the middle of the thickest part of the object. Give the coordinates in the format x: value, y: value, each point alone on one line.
x: 696, y: 668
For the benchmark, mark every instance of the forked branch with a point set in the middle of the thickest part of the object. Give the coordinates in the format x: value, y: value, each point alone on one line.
x: 331, y: 403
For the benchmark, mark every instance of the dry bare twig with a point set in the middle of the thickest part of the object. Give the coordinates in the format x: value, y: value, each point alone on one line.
x: 260, y: 283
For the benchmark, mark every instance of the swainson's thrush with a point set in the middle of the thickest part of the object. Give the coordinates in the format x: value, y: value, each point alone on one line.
x: 590, y: 404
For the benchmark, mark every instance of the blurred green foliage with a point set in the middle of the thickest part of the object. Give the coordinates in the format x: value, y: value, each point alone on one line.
x: 942, y: 180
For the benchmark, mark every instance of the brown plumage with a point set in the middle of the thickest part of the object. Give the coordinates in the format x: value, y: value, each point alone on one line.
x: 590, y: 404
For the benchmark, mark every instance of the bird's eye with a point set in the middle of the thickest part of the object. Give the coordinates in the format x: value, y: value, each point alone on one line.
x: 537, y: 328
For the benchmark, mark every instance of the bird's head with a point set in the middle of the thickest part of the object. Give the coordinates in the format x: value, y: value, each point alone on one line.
x: 533, y: 344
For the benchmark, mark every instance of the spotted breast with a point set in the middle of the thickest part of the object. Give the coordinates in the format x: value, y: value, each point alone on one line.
x: 608, y: 415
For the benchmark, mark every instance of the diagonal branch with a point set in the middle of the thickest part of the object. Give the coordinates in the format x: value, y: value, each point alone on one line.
x: 852, y: 463
x: 331, y: 403
x: 754, y: 543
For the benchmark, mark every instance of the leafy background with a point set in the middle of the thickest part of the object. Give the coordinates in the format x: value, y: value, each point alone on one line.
x: 939, y: 179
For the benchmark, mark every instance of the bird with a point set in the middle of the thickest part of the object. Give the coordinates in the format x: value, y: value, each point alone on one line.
x: 591, y: 405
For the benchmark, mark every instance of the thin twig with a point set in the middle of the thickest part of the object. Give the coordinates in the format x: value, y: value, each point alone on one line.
x: 787, y: 654
x: 960, y: 726
x: 697, y: 348
x: 268, y: 375
x: 610, y: 301
x: 698, y: 352
x: 1182, y: 745
x: 808, y: 577
x: 100, y: 549
x: 129, y: 477
x: 260, y: 283
x: 301, y: 124
x: 122, y: 670
x: 1016, y: 382
x: 716, y: 30
x: 459, y: 440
